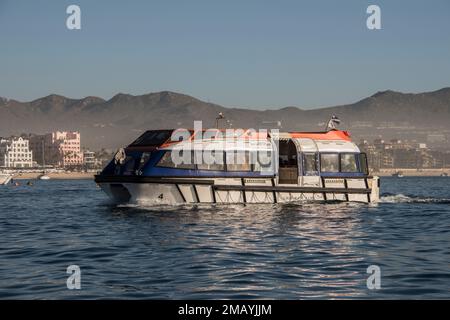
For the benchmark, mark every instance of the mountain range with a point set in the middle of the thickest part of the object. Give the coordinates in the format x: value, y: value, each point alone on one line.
x: 119, y: 120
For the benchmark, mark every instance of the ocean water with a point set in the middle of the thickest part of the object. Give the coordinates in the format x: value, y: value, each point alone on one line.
x: 295, y: 251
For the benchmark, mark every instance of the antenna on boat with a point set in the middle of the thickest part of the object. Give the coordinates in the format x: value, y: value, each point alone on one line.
x: 333, y: 123
x: 219, y: 117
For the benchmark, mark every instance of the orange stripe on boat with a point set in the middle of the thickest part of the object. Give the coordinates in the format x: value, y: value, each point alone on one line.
x: 330, y: 135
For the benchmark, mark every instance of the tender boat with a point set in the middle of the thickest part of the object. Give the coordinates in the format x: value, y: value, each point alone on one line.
x: 5, y: 178
x: 398, y: 174
x: 274, y: 167
x: 43, y: 177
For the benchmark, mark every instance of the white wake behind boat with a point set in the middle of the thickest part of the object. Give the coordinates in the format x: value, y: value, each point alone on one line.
x: 289, y: 167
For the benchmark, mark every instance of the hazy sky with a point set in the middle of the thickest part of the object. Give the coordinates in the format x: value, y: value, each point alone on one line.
x: 248, y: 53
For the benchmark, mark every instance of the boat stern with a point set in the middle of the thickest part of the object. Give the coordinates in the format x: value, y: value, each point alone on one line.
x: 374, y: 185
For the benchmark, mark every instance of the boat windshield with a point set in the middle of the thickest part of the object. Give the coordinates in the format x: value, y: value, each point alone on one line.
x: 310, y: 163
x: 329, y: 162
x: 153, y: 138
x: 348, y: 162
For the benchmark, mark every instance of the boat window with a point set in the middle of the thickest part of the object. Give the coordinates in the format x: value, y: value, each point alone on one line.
x: 177, y: 160
x: 238, y: 161
x: 363, y: 163
x: 348, y: 162
x: 128, y: 167
x: 310, y: 162
x: 153, y: 138
x: 144, y: 159
x: 179, y: 135
x: 329, y: 162
x: 212, y: 160
x: 262, y: 160
x: 187, y: 160
x: 166, y: 160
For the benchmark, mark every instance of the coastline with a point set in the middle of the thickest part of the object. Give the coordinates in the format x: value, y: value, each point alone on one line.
x: 55, y: 175
x: 90, y: 175
x: 412, y: 172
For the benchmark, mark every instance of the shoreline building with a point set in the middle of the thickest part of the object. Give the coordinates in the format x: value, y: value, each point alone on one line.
x: 59, y: 148
x: 91, y: 161
x: 15, y: 153
x: 401, y: 154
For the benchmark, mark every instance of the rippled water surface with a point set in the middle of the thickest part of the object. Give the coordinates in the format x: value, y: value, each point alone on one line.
x: 258, y: 251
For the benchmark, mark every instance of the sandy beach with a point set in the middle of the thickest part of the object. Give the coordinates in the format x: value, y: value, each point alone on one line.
x: 56, y: 175
x: 412, y: 172
x: 90, y: 175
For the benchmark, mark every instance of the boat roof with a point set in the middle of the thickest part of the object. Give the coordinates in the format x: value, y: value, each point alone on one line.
x: 164, y: 139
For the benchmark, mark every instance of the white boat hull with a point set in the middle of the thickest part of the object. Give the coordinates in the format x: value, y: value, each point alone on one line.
x: 237, y: 190
x: 5, y: 178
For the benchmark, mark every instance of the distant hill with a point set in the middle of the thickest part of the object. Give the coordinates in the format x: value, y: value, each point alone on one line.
x: 115, y: 122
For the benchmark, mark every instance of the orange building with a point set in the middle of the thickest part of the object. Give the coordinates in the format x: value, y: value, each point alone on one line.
x: 61, y: 148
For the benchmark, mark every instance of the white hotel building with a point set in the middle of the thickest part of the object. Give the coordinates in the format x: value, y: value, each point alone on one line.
x: 15, y: 153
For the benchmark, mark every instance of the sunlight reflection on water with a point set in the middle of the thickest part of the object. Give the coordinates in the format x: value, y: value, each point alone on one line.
x: 292, y: 251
